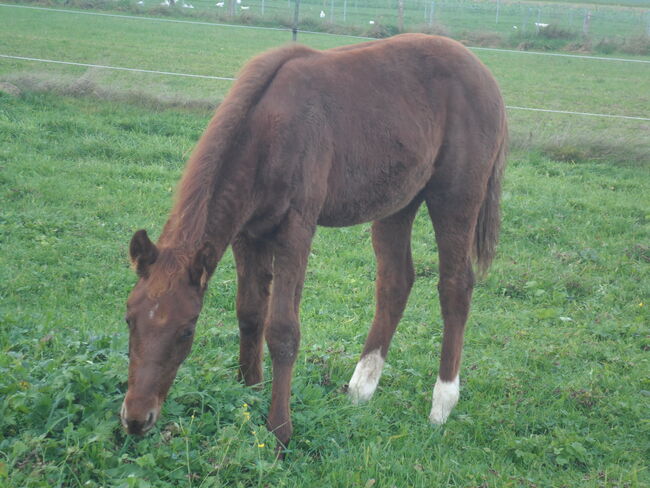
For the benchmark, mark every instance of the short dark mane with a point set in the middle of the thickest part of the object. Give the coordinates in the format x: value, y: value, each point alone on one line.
x: 187, y: 222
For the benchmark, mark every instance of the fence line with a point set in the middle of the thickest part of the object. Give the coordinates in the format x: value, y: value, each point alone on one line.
x: 118, y: 68
x: 561, y: 55
x: 225, y: 78
x: 288, y: 30
x: 629, y: 117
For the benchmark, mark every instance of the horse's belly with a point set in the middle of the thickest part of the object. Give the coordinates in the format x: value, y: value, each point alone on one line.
x: 360, y: 194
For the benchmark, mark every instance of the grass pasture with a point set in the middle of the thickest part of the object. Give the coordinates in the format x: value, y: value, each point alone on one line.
x: 554, y: 389
x: 506, y: 22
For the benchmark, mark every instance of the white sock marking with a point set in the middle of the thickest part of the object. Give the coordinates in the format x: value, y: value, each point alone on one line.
x: 445, y: 397
x: 366, y: 377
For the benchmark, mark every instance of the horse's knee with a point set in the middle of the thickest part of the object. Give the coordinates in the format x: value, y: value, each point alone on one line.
x: 251, y: 322
x: 283, y: 340
x: 458, y: 282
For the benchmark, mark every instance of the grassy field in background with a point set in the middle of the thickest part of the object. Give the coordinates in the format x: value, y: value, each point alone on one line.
x: 610, y: 3
x: 527, y: 80
x: 554, y: 388
x: 612, y: 28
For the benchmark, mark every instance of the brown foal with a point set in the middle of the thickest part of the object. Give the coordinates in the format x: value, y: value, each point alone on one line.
x: 334, y: 138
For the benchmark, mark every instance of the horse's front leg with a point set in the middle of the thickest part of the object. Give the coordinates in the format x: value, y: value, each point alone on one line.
x: 254, y: 274
x: 291, y: 249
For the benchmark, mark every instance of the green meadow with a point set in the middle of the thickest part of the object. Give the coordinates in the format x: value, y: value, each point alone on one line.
x: 555, y: 388
x: 623, y: 23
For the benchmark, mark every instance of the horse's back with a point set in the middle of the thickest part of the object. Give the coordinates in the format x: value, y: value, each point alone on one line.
x: 368, y: 121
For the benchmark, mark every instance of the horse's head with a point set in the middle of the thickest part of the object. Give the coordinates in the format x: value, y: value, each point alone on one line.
x: 162, y: 311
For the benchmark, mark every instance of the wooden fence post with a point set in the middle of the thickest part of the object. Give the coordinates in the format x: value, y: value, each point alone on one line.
x: 294, y: 28
x: 586, y: 23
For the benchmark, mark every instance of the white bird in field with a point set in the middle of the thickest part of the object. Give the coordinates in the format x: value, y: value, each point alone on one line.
x: 140, y: 2
x: 220, y: 4
x: 539, y: 24
x: 165, y: 3
x: 515, y: 27
x: 238, y: 2
x: 188, y: 5
x: 371, y: 22
x: 244, y: 8
x: 322, y: 14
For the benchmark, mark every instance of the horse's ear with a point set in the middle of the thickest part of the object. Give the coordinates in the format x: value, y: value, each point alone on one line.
x: 203, y: 265
x: 143, y: 253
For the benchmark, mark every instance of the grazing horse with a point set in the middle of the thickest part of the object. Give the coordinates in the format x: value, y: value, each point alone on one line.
x: 335, y: 138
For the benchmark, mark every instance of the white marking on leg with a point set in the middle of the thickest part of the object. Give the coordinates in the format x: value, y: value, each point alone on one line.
x: 445, y: 398
x: 123, y: 414
x: 366, y: 377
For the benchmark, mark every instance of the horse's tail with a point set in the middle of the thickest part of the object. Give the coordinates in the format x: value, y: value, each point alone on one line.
x: 189, y: 216
x: 489, y: 218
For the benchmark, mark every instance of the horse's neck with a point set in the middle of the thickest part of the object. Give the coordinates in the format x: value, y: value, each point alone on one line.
x: 217, y: 221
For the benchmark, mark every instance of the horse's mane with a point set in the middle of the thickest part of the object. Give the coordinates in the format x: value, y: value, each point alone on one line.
x: 188, y: 219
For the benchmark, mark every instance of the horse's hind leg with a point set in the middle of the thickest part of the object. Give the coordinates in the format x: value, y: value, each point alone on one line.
x: 391, y: 239
x: 254, y: 274
x: 454, y: 220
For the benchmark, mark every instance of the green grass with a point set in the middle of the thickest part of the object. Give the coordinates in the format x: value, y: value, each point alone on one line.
x: 610, y: 3
x: 623, y: 28
x: 554, y: 390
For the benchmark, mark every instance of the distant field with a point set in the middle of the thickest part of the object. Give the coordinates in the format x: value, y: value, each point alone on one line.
x: 513, y: 22
x: 554, y: 388
x: 526, y: 80
x: 610, y: 3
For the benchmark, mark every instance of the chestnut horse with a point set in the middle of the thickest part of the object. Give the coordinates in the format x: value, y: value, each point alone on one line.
x: 335, y: 138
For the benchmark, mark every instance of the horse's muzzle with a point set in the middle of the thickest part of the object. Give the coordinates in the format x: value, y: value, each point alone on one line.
x: 136, y: 423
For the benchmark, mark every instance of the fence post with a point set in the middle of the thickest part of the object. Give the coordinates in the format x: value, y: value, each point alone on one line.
x: 400, y: 15
x: 345, y: 10
x: 431, y: 12
x: 497, y: 19
x: 294, y: 28
x: 524, y: 26
x: 586, y: 23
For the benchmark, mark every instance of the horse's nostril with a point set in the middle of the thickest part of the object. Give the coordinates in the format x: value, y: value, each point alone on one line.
x: 151, y: 418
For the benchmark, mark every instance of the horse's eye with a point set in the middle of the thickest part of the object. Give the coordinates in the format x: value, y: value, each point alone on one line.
x: 186, y: 334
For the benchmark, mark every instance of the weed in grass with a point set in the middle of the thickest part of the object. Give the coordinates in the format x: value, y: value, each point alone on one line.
x: 637, y: 45
x: 87, y: 84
